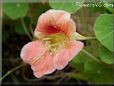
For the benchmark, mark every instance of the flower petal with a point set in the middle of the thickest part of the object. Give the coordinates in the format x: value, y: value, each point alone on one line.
x: 32, y: 51
x: 67, y: 26
x: 67, y: 53
x: 55, y: 21
x: 43, y: 66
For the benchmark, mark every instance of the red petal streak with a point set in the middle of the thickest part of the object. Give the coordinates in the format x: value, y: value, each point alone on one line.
x: 55, y: 21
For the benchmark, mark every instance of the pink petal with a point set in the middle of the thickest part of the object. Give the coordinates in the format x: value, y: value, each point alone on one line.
x: 43, y: 66
x: 67, y: 26
x: 55, y: 21
x: 67, y: 53
x: 32, y: 51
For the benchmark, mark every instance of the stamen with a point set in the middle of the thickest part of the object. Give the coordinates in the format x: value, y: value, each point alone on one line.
x: 45, y: 39
x: 54, y: 41
x: 55, y: 44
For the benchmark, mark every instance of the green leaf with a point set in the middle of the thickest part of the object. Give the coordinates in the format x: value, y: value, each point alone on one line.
x: 19, y: 29
x: 15, y: 10
x: 68, y: 5
x: 104, y: 27
x: 106, y: 56
x: 98, y: 73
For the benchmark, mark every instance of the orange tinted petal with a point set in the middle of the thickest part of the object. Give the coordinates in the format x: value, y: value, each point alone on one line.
x: 55, y: 21
x: 32, y: 51
x: 43, y: 66
x: 67, y: 53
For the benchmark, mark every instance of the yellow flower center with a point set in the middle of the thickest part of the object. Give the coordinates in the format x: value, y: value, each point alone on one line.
x: 54, y: 41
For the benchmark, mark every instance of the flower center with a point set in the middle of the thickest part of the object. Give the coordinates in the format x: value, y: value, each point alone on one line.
x: 54, y: 41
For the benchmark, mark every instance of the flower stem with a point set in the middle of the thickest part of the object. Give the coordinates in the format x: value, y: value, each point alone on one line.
x: 10, y: 71
x: 25, y: 28
x: 78, y: 36
x: 90, y: 55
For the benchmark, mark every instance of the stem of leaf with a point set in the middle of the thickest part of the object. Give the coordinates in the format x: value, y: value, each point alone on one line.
x: 87, y: 38
x: 91, y: 56
x: 25, y: 28
x: 10, y: 71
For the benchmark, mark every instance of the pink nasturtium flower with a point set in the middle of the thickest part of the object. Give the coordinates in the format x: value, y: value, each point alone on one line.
x: 55, y: 47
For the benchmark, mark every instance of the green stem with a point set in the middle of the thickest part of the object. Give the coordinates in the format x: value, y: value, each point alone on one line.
x: 25, y: 28
x: 87, y: 38
x: 90, y: 55
x: 78, y: 36
x: 10, y: 71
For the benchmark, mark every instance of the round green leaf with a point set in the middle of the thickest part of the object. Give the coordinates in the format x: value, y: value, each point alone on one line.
x: 67, y: 5
x: 15, y: 10
x: 104, y: 27
x: 106, y: 56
